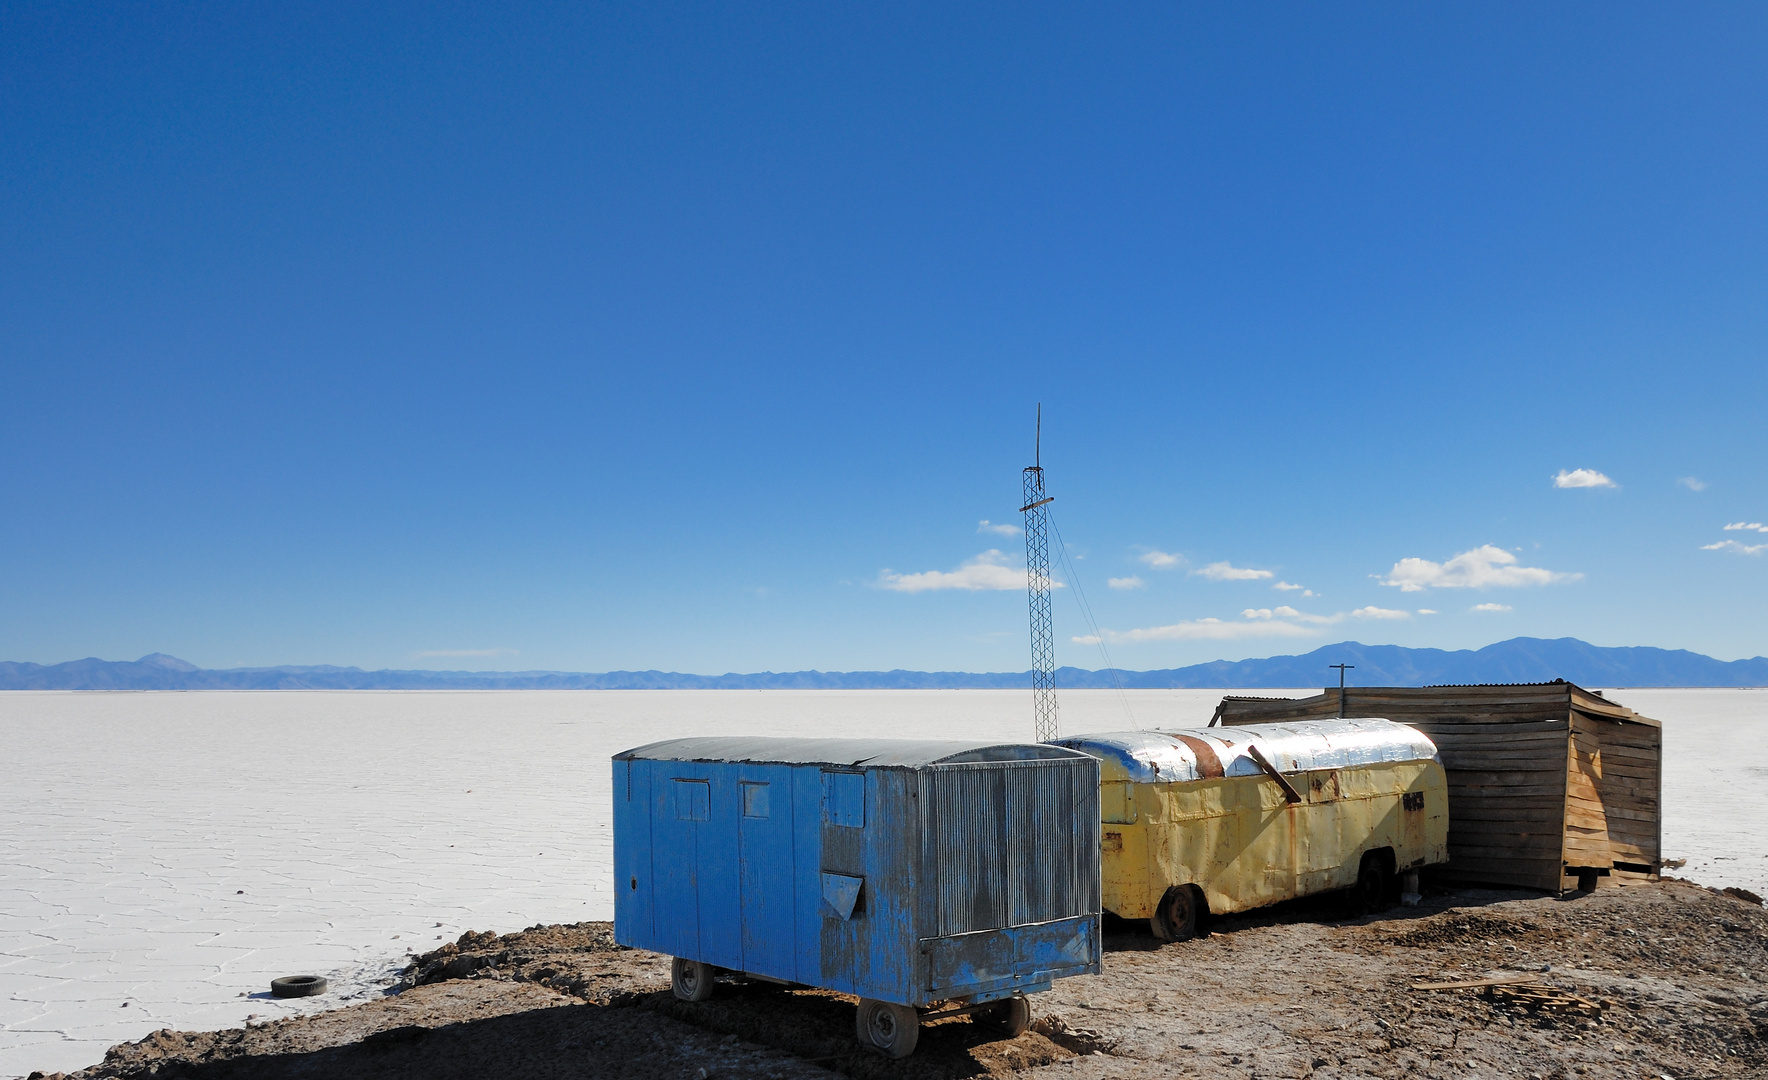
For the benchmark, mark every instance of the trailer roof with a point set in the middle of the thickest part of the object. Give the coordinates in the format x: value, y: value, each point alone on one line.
x: 1171, y: 755
x: 851, y: 752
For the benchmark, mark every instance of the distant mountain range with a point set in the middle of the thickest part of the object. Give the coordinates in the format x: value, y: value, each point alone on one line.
x: 1515, y: 661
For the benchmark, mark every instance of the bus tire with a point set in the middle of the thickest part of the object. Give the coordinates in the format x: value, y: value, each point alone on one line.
x: 1370, y: 894
x: 1175, y: 917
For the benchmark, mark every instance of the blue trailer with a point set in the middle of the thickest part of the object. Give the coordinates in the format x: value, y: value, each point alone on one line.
x: 955, y: 877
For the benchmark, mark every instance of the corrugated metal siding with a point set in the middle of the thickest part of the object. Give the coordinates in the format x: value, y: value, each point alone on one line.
x: 970, y: 835
x: 1015, y: 844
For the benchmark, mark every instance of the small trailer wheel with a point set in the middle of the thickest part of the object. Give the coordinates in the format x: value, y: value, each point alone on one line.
x: 1010, y: 1016
x: 1175, y: 918
x: 690, y: 979
x: 893, y: 1029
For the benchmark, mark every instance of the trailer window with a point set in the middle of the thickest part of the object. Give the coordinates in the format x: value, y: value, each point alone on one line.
x: 844, y: 799
x: 693, y: 799
x: 754, y: 799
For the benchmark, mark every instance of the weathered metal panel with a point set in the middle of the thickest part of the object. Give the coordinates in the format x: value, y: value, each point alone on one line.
x: 842, y: 941
x: 1019, y: 957
x: 675, y: 862
x: 970, y: 834
x: 806, y: 876
x: 1040, y: 855
x: 633, y: 888
x: 1088, y: 836
x: 718, y: 852
x: 766, y: 851
x: 892, y: 862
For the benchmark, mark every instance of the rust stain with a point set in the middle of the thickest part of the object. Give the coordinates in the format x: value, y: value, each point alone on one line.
x: 1209, y: 765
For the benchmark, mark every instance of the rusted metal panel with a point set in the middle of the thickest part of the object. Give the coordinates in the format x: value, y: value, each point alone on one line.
x: 808, y: 860
x: 1348, y: 787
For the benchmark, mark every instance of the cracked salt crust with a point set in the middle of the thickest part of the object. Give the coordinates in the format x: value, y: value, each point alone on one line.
x: 177, y: 850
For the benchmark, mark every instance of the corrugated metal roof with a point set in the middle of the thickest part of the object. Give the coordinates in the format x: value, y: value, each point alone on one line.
x: 899, y: 752
x: 1172, y: 755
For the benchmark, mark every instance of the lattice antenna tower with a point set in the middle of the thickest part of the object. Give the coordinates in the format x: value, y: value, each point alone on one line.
x: 1037, y: 584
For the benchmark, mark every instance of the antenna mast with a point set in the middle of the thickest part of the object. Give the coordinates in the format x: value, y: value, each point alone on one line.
x: 1037, y: 583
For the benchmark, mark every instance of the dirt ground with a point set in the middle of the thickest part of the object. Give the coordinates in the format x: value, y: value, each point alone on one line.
x: 1674, y: 975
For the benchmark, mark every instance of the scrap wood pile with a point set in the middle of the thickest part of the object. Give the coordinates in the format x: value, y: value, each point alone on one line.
x: 1519, y: 988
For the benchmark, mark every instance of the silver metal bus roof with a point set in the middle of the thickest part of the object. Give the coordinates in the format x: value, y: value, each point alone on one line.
x: 1172, y: 755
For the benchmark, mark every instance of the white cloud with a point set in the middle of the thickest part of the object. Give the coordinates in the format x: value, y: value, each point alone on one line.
x: 1131, y: 582
x: 1426, y: 611
x: 1221, y: 571
x: 1482, y: 568
x: 1279, y: 612
x: 1282, y: 621
x: 1161, y: 560
x: 1287, y: 586
x: 1692, y: 484
x: 1733, y: 545
x: 464, y: 653
x: 1582, y: 478
x: 1379, y: 613
x: 1206, y: 629
x: 1003, y: 529
x: 987, y: 571
x: 1492, y: 607
x: 1747, y: 526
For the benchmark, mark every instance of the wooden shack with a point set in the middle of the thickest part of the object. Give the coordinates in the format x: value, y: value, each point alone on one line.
x: 1550, y: 785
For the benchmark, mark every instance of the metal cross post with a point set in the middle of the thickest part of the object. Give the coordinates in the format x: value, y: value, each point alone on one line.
x: 1341, y: 670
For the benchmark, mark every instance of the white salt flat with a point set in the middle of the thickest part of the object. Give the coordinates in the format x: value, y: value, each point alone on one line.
x: 177, y: 851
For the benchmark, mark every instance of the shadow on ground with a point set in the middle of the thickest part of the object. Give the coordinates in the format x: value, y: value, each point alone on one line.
x: 1126, y: 935
x: 766, y: 1031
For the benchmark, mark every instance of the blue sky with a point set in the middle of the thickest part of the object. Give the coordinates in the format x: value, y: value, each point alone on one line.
x: 705, y: 337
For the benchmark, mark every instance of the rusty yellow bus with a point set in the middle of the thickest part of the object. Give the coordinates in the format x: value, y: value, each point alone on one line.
x: 1209, y: 821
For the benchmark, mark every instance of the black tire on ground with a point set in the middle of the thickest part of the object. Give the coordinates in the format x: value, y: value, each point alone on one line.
x: 1175, y: 917
x: 297, y: 986
x: 691, y: 980
x: 890, y: 1029
x: 1370, y: 894
x: 1010, y: 1016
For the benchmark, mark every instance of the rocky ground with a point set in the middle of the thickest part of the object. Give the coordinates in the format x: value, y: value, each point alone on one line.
x: 1666, y: 980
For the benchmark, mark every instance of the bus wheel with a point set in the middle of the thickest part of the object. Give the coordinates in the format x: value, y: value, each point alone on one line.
x: 1369, y: 895
x: 1010, y: 1016
x: 690, y: 980
x: 893, y: 1029
x: 1175, y: 919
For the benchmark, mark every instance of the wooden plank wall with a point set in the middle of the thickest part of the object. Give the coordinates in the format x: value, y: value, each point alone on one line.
x: 1630, y: 786
x: 1504, y: 749
x: 1586, y: 825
